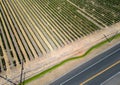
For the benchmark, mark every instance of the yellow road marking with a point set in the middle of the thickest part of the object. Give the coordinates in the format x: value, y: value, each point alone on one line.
x: 99, y: 73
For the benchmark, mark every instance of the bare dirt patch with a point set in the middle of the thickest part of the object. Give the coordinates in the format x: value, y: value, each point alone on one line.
x: 78, y: 48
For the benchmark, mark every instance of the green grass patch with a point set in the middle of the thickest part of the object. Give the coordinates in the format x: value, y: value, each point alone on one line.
x: 70, y: 59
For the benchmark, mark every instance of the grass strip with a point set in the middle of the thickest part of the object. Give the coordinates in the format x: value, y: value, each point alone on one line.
x: 70, y: 59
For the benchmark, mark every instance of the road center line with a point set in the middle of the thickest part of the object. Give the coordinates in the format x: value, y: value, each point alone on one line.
x: 118, y: 62
x: 91, y: 66
x: 110, y: 78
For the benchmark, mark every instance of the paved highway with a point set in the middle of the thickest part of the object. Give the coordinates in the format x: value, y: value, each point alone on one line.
x: 114, y: 80
x: 95, y: 71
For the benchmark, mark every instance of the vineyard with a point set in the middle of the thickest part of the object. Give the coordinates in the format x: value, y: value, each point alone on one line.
x: 30, y: 29
x: 107, y: 11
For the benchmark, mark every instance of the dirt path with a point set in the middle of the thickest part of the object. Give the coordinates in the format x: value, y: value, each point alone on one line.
x: 70, y: 50
x: 81, y: 45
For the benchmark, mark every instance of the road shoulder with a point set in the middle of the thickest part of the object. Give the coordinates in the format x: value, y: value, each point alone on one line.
x: 67, y: 67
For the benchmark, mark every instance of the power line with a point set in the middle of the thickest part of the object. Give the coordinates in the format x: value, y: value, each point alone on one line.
x: 8, y: 80
x: 106, y: 38
x: 21, y: 76
x: 109, y: 40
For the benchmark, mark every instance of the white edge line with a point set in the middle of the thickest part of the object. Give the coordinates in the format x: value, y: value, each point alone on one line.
x: 84, y: 63
x: 110, y: 78
x: 90, y: 66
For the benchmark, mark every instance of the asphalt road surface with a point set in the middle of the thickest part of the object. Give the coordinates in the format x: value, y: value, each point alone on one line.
x: 95, y: 71
x: 114, y: 80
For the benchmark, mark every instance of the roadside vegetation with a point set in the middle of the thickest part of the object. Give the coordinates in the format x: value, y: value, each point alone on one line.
x: 71, y: 59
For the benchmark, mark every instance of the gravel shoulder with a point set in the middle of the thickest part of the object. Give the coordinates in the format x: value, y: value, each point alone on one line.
x: 76, y: 48
x: 87, y: 41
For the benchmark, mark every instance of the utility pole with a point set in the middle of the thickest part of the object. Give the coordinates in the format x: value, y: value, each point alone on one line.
x: 109, y: 40
x: 106, y: 38
x: 21, y: 76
